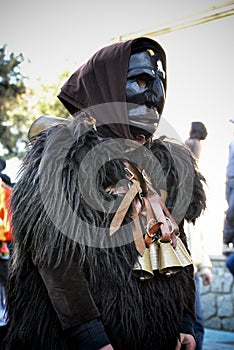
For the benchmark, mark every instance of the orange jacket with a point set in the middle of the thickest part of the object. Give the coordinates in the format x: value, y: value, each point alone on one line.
x: 5, y: 214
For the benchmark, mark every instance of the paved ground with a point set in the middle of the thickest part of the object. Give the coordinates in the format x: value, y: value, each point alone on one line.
x: 218, y: 340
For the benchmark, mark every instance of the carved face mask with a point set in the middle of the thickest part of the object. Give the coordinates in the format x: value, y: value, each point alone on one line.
x: 145, y: 93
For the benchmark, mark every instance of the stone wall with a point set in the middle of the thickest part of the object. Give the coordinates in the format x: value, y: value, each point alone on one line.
x: 218, y: 298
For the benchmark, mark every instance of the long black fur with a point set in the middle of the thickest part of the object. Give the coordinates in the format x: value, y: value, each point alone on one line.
x: 137, y: 315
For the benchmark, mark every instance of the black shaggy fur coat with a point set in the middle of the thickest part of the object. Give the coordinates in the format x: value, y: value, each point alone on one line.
x: 137, y: 315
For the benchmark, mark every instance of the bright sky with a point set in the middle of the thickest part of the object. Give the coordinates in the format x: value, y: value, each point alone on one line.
x: 53, y: 32
x: 60, y: 35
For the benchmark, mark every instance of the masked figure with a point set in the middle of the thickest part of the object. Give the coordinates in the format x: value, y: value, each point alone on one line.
x: 100, y: 256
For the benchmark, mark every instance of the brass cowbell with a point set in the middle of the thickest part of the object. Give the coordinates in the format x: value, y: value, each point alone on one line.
x: 182, y: 253
x: 169, y: 262
x: 142, y: 268
x: 154, y: 256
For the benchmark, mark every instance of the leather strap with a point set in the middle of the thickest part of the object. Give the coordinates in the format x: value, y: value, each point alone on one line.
x: 167, y: 229
x: 153, y: 225
x: 155, y: 209
x: 165, y: 209
x: 124, y: 206
x: 137, y: 233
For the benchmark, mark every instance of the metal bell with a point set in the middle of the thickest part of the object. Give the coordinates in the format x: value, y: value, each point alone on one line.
x: 142, y: 268
x: 169, y: 262
x: 154, y: 256
x: 182, y: 253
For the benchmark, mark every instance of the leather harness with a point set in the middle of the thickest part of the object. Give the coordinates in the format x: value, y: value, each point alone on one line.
x: 147, y: 207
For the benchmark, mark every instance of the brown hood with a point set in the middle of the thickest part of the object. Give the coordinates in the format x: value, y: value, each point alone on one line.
x: 100, y: 84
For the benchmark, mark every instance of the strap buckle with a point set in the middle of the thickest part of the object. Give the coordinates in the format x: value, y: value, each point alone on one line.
x: 129, y: 173
x: 169, y: 224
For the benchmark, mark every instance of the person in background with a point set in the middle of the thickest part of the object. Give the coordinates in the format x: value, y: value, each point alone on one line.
x: 198, y: 132
x: 230, y: 263
x: 5, y: 177
x: 201, y: 260
x: 5, y: 241
x: 228, y: 230
x: 202, y: 270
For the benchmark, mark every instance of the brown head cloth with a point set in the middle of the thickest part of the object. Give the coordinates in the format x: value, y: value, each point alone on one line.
x: 102, y: 80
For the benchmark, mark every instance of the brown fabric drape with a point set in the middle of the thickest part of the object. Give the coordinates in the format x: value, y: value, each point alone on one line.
x: 99, y: 86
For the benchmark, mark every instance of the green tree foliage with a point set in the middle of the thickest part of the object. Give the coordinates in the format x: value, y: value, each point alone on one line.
x: 12, y: 88
x: 20, y: 104
x: 42, y: 100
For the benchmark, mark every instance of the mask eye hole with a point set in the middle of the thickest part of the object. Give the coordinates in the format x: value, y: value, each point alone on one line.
x: 142, y: 83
